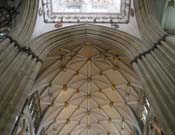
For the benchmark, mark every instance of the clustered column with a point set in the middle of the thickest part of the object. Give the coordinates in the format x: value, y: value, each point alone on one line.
x: 156, y: 69
x: 18, y: 68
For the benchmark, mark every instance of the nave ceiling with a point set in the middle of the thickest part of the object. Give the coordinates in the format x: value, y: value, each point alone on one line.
x: 88, y: 89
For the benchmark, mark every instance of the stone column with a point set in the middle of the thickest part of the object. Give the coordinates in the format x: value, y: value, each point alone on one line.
x: 156, y: 91
x: 18, y: 72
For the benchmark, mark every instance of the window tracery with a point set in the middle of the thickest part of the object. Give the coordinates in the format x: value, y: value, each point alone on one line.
x: 94, y: 11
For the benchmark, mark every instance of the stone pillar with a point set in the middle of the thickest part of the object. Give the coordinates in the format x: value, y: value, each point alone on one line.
x: 18, y: 72
x: 156, y: 90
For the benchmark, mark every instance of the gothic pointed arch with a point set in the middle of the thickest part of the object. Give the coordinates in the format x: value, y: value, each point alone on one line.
x: 86, y: 83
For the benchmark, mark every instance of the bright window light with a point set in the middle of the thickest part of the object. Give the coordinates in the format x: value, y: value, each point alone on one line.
x: 96, y: 11
x: 86, y: 6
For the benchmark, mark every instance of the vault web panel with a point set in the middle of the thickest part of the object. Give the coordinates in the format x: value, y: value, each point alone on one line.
x: 91, y: 102
x: 94, y: 11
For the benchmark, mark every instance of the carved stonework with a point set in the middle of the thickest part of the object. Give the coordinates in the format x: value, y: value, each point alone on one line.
x: 93, y: 11
x: 5, y: 17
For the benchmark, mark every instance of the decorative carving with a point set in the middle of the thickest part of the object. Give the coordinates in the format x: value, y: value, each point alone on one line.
x: 93, y: 11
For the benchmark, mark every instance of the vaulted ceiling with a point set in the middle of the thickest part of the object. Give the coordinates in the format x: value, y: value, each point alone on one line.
x: 89, y: 90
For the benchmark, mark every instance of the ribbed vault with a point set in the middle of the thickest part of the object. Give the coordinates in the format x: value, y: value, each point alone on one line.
x: 114, y: 74
x: 90, y: 90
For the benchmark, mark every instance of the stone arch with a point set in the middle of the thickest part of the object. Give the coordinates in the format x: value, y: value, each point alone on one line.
x: 99, y: 36
x: 127, y: 42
